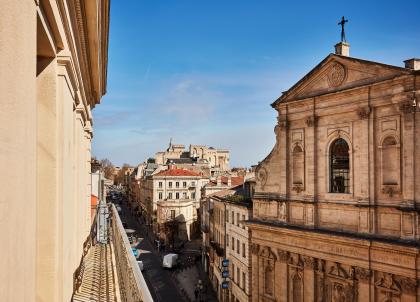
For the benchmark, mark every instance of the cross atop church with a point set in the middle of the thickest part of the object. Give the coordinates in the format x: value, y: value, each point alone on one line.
x: 343, y: 34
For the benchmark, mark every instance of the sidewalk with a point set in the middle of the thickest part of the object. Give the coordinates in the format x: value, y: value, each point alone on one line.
x: 188, y: 279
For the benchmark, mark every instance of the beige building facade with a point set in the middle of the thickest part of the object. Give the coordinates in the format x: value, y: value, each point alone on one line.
x: 226, y: 237
x: 53, y: 58
x: 237, y: 250
x: 335, y: 210
x: 170, y: 194
x: 217, y: 160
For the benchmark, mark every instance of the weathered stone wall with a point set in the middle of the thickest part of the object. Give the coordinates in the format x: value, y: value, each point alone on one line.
x: 369, y: 106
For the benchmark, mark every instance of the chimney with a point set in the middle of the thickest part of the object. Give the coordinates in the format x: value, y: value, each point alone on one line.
x: 413, y: 63
x: 172, y: 165
x: 219, y: 180
x: 229, y: 183
x: 342, y: 49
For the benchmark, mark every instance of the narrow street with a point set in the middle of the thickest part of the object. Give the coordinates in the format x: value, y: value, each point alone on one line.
x: 161, y: 282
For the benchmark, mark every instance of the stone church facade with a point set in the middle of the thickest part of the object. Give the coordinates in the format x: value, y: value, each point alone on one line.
x: 336, y: 208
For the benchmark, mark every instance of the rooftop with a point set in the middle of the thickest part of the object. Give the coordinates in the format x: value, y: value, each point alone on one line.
x: 177, y: 172
x: 236, y: 181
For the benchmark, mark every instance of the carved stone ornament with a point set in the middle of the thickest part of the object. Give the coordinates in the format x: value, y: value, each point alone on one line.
x: 388, y: 286
x: 262, y: 176
x: 362, y: 274
x: 283, y: 124
x: 320, y: 265
x: 295, y: 261
x: 336, y: 75
x: 390, y: 190
x: 407, y: 107
x: 309, y: 262
x: 363, y: 113
x: 282, y: 211
x: 255, y: 248
x: 297, y: 188
x: 338, y: 272
x: 283, y: 255
x: 408, y: 285
x: 267, y: 252
x: 311, y: 121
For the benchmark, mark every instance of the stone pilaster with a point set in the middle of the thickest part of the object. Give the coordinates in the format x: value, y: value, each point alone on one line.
x: 309, y: 278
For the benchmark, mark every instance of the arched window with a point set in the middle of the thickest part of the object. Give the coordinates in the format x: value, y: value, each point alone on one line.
x: 390, y: 161
x: 339, y: 167
x: 298, y: 165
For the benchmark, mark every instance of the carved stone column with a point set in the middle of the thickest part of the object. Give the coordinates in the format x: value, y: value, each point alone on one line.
x: 362, y: 157
x: 363, y: 276
x: 407, y: 151
x: 282, y: 277
x: 282, y: 144
x: 311, y: 167
x: 309, y: 264
x: 310, y: 157
x: 255, y: 273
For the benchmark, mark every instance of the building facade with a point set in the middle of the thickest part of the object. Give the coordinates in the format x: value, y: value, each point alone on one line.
x: 226, y: 237
x: 335, y: 214
x: 53, y: 58
x: 172, y: 196
x: 237, y: 249
x: 217, y: 160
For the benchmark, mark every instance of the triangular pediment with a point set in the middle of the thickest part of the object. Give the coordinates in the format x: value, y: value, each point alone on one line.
x: 337, y: 73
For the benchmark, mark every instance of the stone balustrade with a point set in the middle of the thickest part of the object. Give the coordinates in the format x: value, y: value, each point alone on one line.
x: 131, y: 283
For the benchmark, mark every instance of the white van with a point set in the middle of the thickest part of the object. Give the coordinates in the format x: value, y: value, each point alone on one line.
x: 170, y: 260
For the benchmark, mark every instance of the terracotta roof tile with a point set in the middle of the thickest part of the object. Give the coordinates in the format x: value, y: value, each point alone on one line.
x: 177, y: 172
x: 236, y: 181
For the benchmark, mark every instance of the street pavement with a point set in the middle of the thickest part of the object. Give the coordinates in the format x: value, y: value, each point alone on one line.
x: 160, y: 281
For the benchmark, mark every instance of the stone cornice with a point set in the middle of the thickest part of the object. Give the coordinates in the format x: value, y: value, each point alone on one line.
x: 70, y: 73
x: 346, y: 89
x: 408, y: 206
x: 75, y: 15
x: 408, y: 246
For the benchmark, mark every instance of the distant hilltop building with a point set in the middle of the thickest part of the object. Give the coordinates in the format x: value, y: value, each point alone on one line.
x: 215, y: 159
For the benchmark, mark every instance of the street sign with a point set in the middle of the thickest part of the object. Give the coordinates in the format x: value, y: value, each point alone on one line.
x: 225, y: 284
x: 225, y: 274
x: 225, y: 262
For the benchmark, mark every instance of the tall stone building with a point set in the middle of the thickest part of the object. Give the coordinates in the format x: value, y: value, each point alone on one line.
x: 53, y: 58
x: 336, y: 208
x: 215, y: 159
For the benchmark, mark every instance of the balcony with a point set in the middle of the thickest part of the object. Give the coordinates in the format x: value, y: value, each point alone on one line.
x: 205, y: 228
x: 219, y: 250
x: 108, y: 271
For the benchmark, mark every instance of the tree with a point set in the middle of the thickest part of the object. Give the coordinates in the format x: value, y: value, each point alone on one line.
x: 120, y: 177
x: 108, y: 168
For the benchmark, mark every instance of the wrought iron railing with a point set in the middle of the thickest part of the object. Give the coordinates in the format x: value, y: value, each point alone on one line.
x: 131, y: 283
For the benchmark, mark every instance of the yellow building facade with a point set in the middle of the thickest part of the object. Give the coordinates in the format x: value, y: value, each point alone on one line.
x: 53, y: 63
x: 335, y: 214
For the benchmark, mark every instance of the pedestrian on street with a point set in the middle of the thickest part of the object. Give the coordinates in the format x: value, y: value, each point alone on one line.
x: 196, y: 293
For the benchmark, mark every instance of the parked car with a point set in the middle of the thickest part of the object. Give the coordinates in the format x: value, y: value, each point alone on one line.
x: 170, y: 260
x: 140, y: 264
x: 135, y: 252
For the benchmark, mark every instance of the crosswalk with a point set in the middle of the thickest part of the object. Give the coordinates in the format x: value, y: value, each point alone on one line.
x: 98, y: 276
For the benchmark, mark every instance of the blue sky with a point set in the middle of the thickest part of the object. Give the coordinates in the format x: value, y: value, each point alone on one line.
x: 206, y: 72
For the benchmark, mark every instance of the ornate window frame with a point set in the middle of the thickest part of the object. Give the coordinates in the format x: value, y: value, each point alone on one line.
x: 337, y: 134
